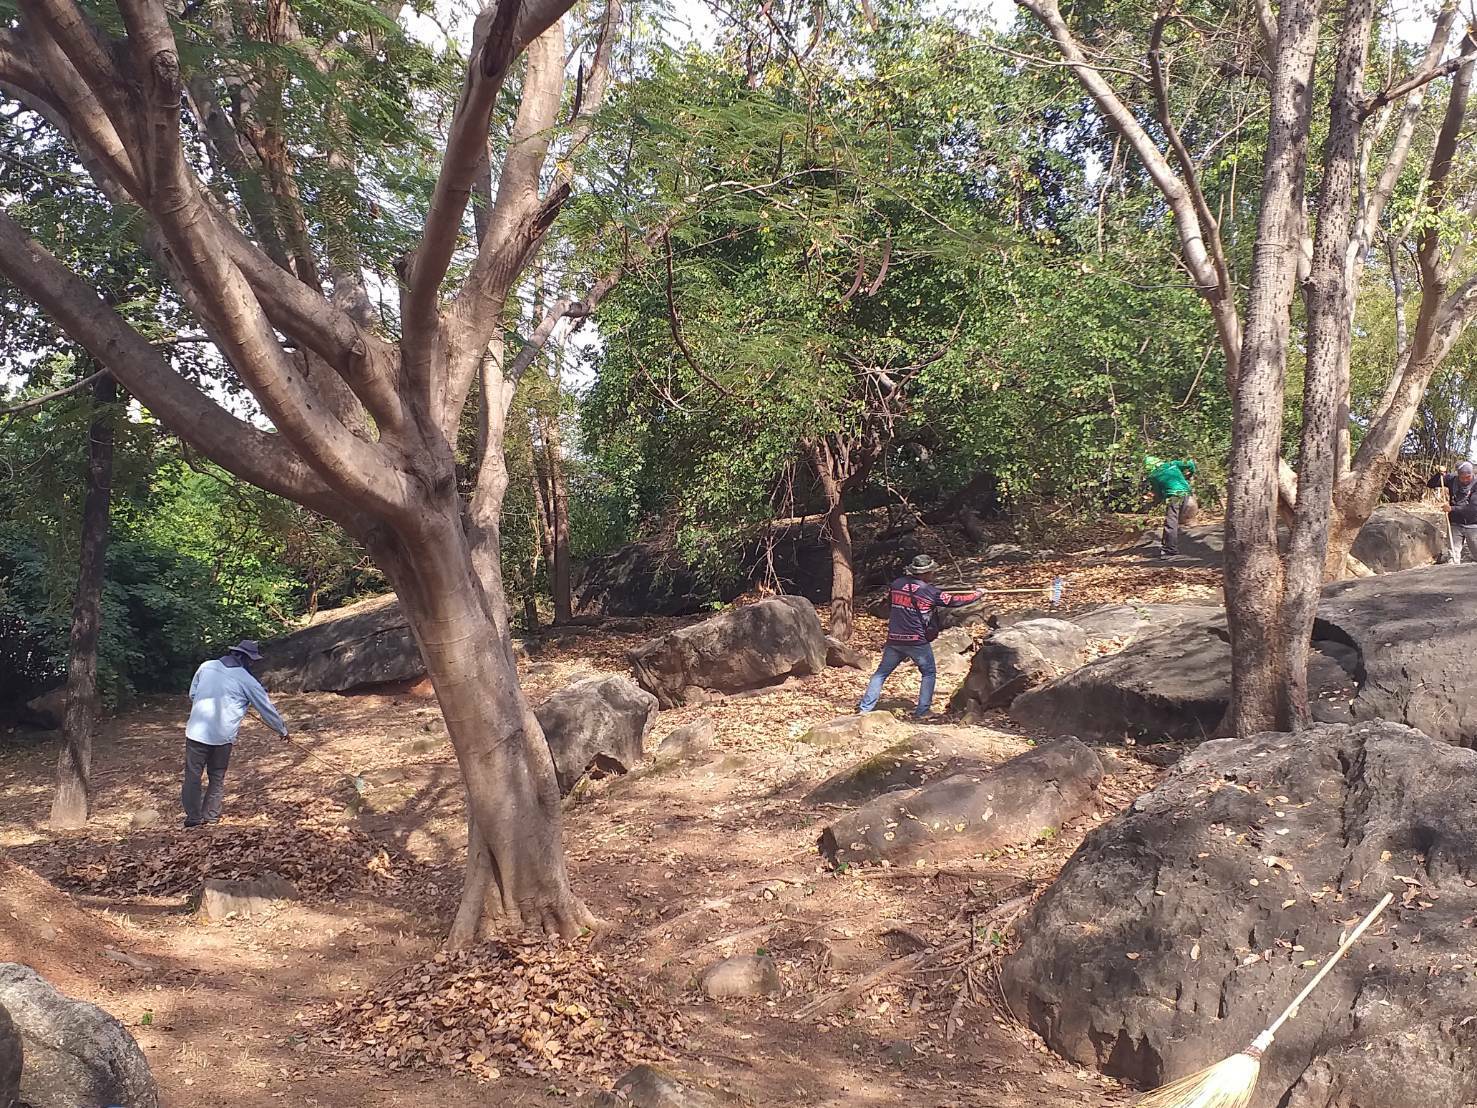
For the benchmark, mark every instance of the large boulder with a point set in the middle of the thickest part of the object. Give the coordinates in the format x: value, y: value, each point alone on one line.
x: 1393, y: 647
x: 1408, y: 642
x: 641, y: 579
x: 368, y: 643
x: 1395, y: 538
x: 743, y: 648
x: 1018, y: 658
x: 1173, y: 683
x: 76, y: 1054
x: 12, y: 1055
x: 969, y: 813
x: 47, y: 710
x: 1180, y: 929
x: 600, y: 722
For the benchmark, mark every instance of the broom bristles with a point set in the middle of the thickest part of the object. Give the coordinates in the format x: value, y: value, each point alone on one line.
x: 1227, y: 1084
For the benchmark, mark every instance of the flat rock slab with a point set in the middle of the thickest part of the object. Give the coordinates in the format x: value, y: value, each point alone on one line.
x: 847, y: 732
x: 1179, y: 929
x: 598, y: 723
x: 970, y: 813
x: 253, y: 896
x: 1411, y: 639
x: 742, y: 975
x: 1126, y: 622
x: 1396, y: 647
x: 743, y: 648
x: 916, y: 760
x: 1396, y: 537
x: 75, y: 1054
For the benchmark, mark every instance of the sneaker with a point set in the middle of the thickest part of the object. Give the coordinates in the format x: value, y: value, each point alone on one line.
x: 211, y: 819
x: 193, y: 822
x: 924, y: 717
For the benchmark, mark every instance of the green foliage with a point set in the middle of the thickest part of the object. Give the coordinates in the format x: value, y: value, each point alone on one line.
x: 195, y: 558
x: 905, y: 203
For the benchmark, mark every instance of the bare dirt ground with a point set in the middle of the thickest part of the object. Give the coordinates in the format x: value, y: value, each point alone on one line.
x: 687, y: 863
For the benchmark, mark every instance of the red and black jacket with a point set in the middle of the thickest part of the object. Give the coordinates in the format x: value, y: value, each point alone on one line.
x: 913, y: 602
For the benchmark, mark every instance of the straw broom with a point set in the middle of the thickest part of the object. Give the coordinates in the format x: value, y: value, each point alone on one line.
x: 1229, y: 1084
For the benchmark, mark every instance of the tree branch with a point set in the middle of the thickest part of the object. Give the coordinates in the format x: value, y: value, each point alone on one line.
x: 1415, y: 81
x: 502, y: 33
x: 263, y: 459
x: 41, y: 401
x: 1192, y: 234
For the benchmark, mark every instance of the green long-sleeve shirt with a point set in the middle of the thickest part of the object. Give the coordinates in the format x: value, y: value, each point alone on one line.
x: 1172, y: 479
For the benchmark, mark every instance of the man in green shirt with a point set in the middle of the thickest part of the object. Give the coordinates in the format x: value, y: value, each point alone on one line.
x: 1170, y: 482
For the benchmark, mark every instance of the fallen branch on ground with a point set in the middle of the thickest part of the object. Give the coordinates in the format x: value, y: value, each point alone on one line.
x: 1002, y: 917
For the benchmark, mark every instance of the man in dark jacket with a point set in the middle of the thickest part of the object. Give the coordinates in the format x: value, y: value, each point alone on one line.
x: 910, y: 631
x: 1461, y: 507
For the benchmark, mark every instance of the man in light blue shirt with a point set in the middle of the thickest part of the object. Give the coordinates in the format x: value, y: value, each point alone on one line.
x: 220, y: 694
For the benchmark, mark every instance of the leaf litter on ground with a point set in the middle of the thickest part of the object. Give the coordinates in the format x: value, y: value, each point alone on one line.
x: 501, y: 1008
x: 318, y: 854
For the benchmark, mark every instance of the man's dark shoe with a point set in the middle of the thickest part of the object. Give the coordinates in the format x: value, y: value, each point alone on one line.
x: 193, y: 822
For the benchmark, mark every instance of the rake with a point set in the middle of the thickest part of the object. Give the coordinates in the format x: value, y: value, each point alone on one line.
x: 360, y: 785
x: 1230, y: 1084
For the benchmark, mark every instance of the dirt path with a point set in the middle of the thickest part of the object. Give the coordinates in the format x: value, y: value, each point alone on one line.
x: 232, y: 1013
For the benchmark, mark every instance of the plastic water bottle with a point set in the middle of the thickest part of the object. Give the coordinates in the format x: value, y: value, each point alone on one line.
x: 1058, y: 586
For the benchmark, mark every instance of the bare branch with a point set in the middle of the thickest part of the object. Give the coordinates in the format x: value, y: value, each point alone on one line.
x: 502, y: 33
x: 1159, y: 81
x: 264, y: 460
x: 1379, y: 196
x: 1192, y: 234
x: 1417, y: 80
x: 578, y: 310
x: 42, y: 401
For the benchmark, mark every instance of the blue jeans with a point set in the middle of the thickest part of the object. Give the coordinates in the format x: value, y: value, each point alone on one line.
x: 894, y: 655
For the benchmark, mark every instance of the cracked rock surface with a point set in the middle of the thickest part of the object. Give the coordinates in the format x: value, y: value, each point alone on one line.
x: 1180, y: 929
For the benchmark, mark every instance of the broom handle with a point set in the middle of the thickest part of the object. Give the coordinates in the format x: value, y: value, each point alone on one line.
x: 1328, y: 965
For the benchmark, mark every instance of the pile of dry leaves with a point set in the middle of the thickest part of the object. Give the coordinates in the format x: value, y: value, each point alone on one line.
x: 318, y: 855
x: 499, y: 1008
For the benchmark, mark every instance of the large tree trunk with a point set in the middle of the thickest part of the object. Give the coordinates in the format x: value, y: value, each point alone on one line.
x: 1329, y: 299
x: 72, y: 804
x: 843, y: 576
x: 1253, y: 566
x: 558, y: 522
x: 515, y: 860
x: 825, y: 462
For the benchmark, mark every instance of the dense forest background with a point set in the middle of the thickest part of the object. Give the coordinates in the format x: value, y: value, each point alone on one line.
x: 910, y: 271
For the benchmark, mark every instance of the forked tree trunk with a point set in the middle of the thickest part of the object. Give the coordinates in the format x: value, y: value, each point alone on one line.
x: 515, y: 860
x: 1254, y: 585
x: 72, y: 804
x: 1330, y: 301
